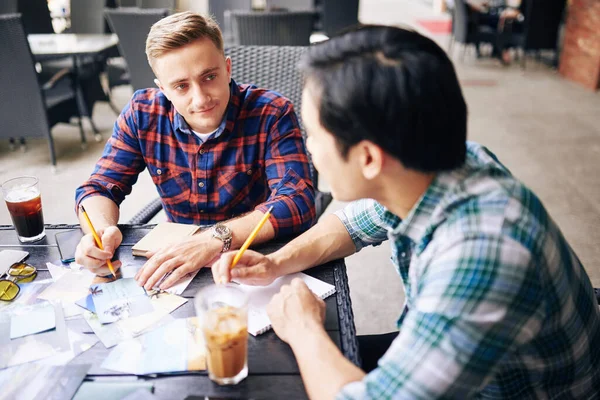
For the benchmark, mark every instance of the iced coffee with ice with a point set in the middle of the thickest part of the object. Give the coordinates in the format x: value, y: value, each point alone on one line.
x: 24, y: 203
x: 223, y: 315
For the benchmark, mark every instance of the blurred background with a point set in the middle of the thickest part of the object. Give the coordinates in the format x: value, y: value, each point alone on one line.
x: 530, y: 72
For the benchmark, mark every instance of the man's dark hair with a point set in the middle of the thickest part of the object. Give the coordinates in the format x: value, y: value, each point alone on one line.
x: 393, y: 87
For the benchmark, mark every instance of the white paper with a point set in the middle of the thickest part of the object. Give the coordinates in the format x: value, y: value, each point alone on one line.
x: 260, y: 296
x: 29, y: 320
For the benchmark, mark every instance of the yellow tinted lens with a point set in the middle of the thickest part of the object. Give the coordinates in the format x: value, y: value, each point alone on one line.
x: 8, y: 290
x: 21, y: 269
x: 27, y: 279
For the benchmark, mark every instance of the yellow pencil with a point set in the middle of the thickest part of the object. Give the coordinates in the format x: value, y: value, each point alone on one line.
x: 251, y: 238
x: 96, y: 238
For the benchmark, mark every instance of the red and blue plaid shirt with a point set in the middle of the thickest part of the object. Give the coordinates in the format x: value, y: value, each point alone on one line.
x: 256, y: 159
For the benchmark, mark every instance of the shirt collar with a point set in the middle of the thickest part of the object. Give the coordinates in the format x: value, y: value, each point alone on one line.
x: 180, y: 124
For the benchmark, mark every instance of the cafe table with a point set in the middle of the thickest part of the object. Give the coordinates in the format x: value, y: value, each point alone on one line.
x: 272, y: 369
x: 79, y: 47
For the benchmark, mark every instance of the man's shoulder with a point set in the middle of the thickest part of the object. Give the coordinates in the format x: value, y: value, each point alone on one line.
x: 253, y: 97
x: 491, y: 201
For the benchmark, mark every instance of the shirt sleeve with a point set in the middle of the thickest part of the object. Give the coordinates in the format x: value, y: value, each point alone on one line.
x: 286, y: 163
x: 363, y: 220
x: 477, y: 301
x: 118, y: 168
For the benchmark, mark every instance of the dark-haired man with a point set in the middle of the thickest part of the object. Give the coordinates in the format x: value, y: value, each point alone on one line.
x: 497, y: 303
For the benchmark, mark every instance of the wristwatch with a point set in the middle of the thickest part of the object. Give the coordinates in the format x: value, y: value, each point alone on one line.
x: 223, y: 233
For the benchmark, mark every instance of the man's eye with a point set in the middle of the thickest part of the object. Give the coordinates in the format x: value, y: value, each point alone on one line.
x: 180, y: 87
x: 211, y: 77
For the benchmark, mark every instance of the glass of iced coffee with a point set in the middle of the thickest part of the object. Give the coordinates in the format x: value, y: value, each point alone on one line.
x: 223, y: 315
x: 24, y: 203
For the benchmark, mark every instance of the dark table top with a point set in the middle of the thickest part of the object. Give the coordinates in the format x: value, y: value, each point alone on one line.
x: 273, y: 371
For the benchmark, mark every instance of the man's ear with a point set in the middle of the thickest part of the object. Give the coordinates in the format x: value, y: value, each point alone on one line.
x: 371, y: 158
x: 157, y: 83
x: 228, y: 67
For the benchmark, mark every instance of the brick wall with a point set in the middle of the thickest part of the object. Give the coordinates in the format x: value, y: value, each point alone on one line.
x: 580, y: 57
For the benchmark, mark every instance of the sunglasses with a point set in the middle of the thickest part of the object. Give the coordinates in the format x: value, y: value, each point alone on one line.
x: 18, y: 272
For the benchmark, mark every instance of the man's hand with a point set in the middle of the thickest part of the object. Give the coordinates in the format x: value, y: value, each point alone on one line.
x: 252, y: 269
x: 294, y: 310
x: 180, y: 259
x: 94, y: 259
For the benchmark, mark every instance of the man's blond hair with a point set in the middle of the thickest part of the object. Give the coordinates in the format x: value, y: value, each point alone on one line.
x: 178, y: 30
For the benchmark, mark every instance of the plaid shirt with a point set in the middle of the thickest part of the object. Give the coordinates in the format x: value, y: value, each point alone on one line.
x: 256, y: 159
x: 498, y: 305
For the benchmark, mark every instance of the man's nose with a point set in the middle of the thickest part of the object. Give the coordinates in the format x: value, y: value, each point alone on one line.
x: 200, y: 98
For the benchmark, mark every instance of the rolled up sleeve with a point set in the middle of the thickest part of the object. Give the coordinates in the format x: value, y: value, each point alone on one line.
x: 118, y: 168
x: 286, y: 163
x: 363, y: 219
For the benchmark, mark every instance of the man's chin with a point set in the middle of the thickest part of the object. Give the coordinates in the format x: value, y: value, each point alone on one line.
x: 202, y: 125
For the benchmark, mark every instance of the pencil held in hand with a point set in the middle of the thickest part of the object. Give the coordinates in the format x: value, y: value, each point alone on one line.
x: 251, y: 238
x: 96, y: 237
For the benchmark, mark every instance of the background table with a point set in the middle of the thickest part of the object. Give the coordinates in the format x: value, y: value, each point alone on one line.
x: 57, y: 45
x: 273, y: 371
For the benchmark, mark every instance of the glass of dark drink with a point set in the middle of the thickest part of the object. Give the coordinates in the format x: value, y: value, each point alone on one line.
x: 24, y: 203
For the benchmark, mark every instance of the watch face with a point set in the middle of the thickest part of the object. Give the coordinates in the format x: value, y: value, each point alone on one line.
x: 222, y: 231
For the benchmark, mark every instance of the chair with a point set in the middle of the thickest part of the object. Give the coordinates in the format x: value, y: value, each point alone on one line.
x: 29, y: 109
x: 8, y: 7
x: 466, y: 29
x: 269, y: 67
x: 169, y: 4
x: 35, y: 15
x: 292, y: 5
x: 217, y: 9
x: 272, y: 28
x: 336, y: 15
x: 540, y: 31
x: 132, y: 27
x: 87, y: 16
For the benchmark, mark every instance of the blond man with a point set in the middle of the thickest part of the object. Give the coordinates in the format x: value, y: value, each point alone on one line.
x: 220, y: 153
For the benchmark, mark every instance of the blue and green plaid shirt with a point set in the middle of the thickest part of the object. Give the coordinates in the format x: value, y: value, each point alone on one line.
x: 499, y: 306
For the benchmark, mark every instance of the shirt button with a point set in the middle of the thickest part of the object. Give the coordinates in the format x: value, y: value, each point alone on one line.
x: 201, y: 211
x: 403, y: 254
x: 202, y: 151
x: 158, y: 172
x: 249, y: 172
x: 201, y: 184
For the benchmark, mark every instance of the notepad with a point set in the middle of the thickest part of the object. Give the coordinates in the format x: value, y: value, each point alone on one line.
x: 163, y: 234
x: 260, y: 296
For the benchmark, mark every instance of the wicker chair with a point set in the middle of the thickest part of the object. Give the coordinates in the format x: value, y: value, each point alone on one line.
x: 292, y: 5
x: 132, y: 27
x: 8, y: 7
x: 217, y: 9
x: 35, y: 15
x: 28, y: 108
x: 168, y: 4
x: 272, y: 28
x: 270, y: 67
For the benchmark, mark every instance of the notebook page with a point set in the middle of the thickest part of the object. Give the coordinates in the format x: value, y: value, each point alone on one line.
x: 260, y: 296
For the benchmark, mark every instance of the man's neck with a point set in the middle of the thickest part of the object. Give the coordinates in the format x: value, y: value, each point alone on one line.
x: 400, y: 191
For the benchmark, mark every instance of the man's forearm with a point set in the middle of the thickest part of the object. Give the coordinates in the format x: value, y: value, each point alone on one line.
x: 102, y: 211
x: 323, y: 368
x: 327, y: 240
x: 241, y: 228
